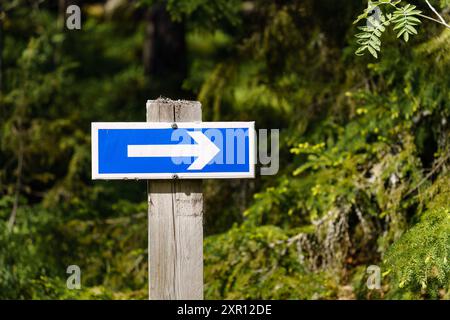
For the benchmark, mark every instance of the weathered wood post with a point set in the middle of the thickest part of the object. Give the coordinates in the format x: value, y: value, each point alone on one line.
x: 175, y: 219
x: 147, y: 150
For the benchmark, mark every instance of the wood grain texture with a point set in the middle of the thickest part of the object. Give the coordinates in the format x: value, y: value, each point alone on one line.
x: 175, y: 216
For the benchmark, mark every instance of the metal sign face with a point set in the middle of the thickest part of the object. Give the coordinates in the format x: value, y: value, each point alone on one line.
x: 161, y: 150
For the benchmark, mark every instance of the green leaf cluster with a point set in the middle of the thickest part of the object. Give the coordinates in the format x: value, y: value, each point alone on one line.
x: 405, y: 19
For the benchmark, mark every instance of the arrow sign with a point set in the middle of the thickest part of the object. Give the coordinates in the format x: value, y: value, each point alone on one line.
x: 204, y: 150
x: 156, y: 150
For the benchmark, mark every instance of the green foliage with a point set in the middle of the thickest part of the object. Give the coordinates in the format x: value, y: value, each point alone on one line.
x: 420, y: 257
x: 364, y: 153
x: 419, y: 261
x: 353, y: 185
x: 369, y: 38
x: 35, y: 255
x: 202, y: 13
x: 260, y: 263
x: 404, y: 18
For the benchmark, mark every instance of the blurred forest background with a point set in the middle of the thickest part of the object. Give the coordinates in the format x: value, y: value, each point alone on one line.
x: 364, y: 150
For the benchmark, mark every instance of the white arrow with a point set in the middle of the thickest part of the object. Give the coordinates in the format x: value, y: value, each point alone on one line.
x: 205, y: 150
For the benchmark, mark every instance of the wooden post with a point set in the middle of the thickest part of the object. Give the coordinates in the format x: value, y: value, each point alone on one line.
x: 175, y: 220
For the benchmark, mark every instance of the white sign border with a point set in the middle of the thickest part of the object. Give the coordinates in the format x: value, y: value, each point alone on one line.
x: 95, y: 126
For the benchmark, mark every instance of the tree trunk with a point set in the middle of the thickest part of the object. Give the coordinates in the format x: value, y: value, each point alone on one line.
x: 164, y: 51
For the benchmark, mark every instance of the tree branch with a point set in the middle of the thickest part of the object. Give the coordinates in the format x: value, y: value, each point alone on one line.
x: 435, y: 11
x: 442, y: 21
x: 428, y: 176
x: 435, y: 20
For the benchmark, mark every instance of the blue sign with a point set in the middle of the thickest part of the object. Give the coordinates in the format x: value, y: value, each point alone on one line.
x: 156, y: 150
